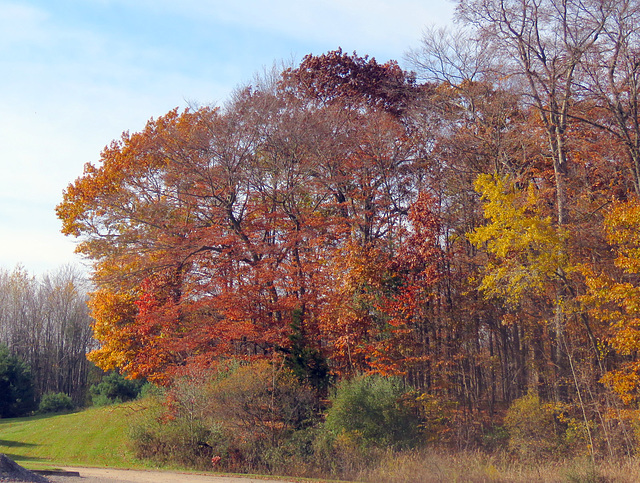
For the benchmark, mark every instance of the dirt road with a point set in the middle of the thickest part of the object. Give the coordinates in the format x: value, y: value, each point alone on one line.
x: 104, y: 475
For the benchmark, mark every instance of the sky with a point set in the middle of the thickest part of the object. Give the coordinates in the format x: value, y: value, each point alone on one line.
x: 75, y: 74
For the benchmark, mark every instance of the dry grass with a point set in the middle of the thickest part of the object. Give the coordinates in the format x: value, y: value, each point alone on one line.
x: 432, y: 466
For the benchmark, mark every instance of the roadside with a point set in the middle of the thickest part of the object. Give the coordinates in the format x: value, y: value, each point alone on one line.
x: 107, y: 475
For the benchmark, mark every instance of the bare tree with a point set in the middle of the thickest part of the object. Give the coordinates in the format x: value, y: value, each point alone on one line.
x: 610, y: 81
x: 543, y: 42
x: 46, y: 323
x: 451, y: 56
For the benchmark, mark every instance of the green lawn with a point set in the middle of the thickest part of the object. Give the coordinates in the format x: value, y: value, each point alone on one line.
x: 93, y: 437
x: 96, y: 437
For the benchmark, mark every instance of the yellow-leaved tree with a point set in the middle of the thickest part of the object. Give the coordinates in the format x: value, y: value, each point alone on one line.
x: 527, y: 270
x: 614, y: 298
x: 526, y: 250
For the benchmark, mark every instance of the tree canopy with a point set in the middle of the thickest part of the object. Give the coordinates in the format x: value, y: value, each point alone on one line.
x: 474, y: 234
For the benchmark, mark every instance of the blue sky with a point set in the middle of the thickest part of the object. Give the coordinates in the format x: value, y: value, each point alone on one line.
x: 77, y: 73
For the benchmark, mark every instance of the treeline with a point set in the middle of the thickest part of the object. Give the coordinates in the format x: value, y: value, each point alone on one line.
x: 45, y: 324
x: 471, y: 228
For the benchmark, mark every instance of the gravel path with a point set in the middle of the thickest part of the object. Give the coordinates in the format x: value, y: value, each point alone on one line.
x: 104, y: 475
x: 11, y: 472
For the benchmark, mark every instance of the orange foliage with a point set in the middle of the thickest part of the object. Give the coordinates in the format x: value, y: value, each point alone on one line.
x: 220, y: 224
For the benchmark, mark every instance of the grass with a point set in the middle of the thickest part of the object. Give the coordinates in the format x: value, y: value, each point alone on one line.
x: 99, y: 437
x: 432, y: 466
x: 93, y: 437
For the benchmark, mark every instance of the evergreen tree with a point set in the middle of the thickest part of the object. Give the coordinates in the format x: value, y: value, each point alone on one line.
x: 16, y: 386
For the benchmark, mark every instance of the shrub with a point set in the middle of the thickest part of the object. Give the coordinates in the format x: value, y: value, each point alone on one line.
x: 532, y: 426
x: 373, y: 410
x: 250, y: 416
x: 16, y: 386
x: 263, y: 406
x: 113, y: 389
x: 55, y: 403
x: 261, y: 400
x: 163, y: 439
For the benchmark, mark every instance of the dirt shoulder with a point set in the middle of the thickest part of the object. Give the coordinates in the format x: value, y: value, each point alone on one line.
x: 107, y: 475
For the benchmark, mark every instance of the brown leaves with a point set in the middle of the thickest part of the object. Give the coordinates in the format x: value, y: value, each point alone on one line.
x: 215, y: 226
x: 353, y: 80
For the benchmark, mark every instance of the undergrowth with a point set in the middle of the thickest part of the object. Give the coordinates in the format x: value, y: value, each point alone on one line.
x: 260, y: 419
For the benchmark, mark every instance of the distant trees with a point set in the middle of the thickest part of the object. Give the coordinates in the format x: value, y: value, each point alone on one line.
x: 114, y: 389
x: 45, y: 323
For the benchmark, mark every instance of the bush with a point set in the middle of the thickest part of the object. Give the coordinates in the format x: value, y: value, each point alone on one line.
x: 373, y: 410
x: 262, y: 406
x: 249, y: 416
x: 55, y: 403
x: 261, y: 400
x: 163, y: 439
x: 114, y: 389
x: 16, y: 386
x: 533, y: 429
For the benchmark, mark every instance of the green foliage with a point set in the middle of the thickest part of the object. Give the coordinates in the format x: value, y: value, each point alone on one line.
x: 55, y: 403
x: 16, y: 386
x: 534, y: 431
x: 178, y: 441
x: 306, y: 363
x: 114, y: 389
x: 373, y: 410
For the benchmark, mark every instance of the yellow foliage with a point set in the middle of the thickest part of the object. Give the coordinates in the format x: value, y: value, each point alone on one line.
x: 112, y: 312
x: 615, y: 298
x: 533, y: 428
x: 623, y: 231
x: 526, y: 250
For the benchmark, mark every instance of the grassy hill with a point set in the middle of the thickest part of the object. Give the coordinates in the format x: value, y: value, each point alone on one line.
x: 93, y: 437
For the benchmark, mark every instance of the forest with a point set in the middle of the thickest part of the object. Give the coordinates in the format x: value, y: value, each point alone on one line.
x: 45, y: 335
x: 469, y: 227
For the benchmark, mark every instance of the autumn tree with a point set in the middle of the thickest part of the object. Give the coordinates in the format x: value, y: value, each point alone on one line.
x: 342, y: 218
x: 547, y: 40
x: 211, y: 228
x: 192, y: 234
x: 371, y: 165
x: 479, y: 126
x: 609, y: 85
x: 612, y: 298
x: 543, y: 45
